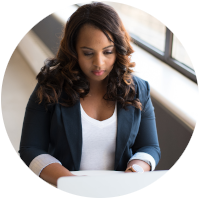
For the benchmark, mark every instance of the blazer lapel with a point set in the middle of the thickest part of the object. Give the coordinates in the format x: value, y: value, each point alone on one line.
x: 125, y: 119
x: 73, y: 129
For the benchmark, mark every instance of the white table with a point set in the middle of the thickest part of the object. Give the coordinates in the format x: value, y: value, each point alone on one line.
x: 103, y: 184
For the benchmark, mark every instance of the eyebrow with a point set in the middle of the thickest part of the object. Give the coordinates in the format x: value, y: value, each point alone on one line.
x: 93, y: 49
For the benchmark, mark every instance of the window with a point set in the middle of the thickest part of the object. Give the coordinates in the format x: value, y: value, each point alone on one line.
x: 141, y: 24
x: 153, y: 36
x: 179, y: 53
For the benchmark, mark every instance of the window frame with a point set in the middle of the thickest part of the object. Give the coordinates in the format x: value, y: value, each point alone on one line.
x: 165, y: 56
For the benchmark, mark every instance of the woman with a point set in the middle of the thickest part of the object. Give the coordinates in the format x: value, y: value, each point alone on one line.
x: 92, y: 113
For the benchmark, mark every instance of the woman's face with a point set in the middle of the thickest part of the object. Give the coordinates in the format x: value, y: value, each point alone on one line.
x: 96, y: 54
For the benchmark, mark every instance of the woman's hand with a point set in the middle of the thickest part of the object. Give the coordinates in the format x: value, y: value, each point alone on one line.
x: 53, y: 172
x: 128, y: 171
x: 144, y: 165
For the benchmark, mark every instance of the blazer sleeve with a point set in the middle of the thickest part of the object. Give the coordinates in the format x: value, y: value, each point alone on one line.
x: 35, y: 130
x: 147, y: 139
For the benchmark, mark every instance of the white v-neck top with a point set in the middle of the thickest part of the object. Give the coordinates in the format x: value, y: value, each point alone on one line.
x: 99, y: 141
x: 98, y: 148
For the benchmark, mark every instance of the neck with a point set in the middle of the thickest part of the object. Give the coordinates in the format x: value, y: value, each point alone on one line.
x: 98, y: 88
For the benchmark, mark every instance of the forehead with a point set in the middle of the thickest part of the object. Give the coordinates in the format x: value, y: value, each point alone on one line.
x: 91, y: 36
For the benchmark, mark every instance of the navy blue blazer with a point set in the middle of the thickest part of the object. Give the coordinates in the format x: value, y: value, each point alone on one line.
x: 58, y: 131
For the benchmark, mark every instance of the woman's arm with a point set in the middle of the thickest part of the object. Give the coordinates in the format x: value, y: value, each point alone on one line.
x: 147, y: 139
x: 52, y: 172
x: 35, y: 135
x: 35, y: 139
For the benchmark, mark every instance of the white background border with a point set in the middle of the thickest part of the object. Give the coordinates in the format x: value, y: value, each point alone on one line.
x: 182, y: 180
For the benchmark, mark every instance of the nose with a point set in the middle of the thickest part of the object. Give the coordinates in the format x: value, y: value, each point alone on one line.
x: 98, y: 61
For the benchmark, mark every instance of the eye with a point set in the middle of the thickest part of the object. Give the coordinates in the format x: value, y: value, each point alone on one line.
x: 108, y: 52
x: 88, y: 54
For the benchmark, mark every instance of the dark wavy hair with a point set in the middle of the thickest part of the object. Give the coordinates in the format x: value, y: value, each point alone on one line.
x: 63, y: 71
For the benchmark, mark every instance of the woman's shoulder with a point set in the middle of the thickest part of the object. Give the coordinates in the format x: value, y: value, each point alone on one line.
x: 141, y: 83
x: 33, y: 95
x: 142, y: 87
x: 37, y: 102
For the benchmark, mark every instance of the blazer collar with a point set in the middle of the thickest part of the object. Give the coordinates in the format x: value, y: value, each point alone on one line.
x: 73, y: 128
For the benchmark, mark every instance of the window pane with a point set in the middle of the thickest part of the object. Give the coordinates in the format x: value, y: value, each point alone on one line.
x: 141, y: 24
x: 82, y: 3
x: 179, y: 53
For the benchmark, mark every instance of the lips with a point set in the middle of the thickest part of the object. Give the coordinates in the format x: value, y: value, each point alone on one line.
x: 98, y: 72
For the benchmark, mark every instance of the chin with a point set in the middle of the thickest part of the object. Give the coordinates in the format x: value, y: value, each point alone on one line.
x: 98, y: 78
